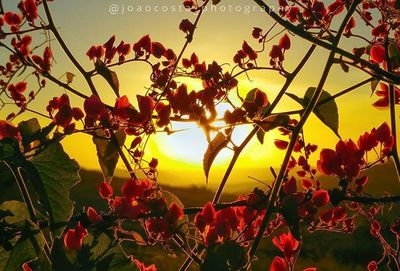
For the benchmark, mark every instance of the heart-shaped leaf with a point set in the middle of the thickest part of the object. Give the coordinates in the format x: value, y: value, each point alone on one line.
x: 327, y: 111
x: 53, y: 173
x: 107, y: 151
x: 219, y: 142
x: 110, y: 76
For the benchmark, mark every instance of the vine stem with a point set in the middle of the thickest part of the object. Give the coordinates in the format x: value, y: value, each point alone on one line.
x: 392, y: 107
x: 28, y: 202
x: 307, y: 112
x: 65, y: 48
x: 329, y: 46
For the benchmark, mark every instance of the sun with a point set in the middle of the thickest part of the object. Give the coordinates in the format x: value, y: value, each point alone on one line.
x: 188, y: 143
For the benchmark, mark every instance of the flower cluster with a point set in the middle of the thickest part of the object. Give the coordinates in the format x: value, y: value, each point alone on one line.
x: 63, y: 114
x: 348, y: 157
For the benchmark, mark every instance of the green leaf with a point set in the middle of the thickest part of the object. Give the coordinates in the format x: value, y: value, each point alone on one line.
x: 59, y: 257
x: 261, y: 135
x: 53, y: 176
x: 115, y: 260
x: 110, y: 76
x: 290, y: 213
x: 374, y: 85
x: 219, y: 142
x: 28, y: 247
x: 228, y: 256
x: 28, y: 129
x: 251, y: 95
x: 15, y: 212
x: 327, y: 112
x: 107, y: 152
x: 9, y: 150
x: 296, y: 98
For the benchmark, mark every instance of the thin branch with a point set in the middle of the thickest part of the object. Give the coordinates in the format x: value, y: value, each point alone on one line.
x: 393, y: 117
x: 331, y: 47
x: 307, y: 112
x: 64, y: 46
x: 28, y: 201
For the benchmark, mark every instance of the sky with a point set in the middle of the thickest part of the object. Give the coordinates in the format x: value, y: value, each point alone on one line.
x: 219, y: 35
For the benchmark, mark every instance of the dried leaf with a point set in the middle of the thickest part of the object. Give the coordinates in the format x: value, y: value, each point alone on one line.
x: 70, y: 77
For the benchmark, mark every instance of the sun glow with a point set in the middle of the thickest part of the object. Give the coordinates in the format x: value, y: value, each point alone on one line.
x: 188, y: 143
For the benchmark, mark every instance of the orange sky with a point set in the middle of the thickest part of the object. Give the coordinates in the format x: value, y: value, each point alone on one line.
x: 219, y: 35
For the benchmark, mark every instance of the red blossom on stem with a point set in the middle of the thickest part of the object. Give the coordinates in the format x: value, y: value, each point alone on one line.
x: 73, y: 239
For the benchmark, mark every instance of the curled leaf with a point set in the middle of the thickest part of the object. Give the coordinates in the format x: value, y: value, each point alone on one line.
x: 216, y: 145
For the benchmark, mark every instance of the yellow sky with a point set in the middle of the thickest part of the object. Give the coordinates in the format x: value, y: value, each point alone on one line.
x: 218, y: 37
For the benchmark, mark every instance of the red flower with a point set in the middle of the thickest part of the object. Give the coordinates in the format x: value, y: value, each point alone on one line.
x: 326, y: 215
x: 205, y: 217
x: 30, y: 9
x: 12, y: 19
x: 73, y: 239
x: 186, y: 26
x: 385, y: 137
x: 350, y: 25
x: 95, y: 52
x: 249, y: 51
x: 276, y: 52
x: 25, y: 267
x: 93, y: 216
x: 123, y: 50
x: 281, y: 144
x: 384, y: 96
x: 110, y: 50
x: 157, y: 49
x: 105, y: 190
x: 122, y: 107
x: 377, y: 53
x: 77, y: 113
x: 45, y: 61
x: 336, y: 7
x: 320, y: 198
x: 16, y: 92
x: 284, y: 42
x: 339, y: 214
x: 23, y: 45
x: 142, y: 267
x: 278, y: 264
x: 94, y: 107
x: 134, y: 188
x: 287, y: 244
x: 142, y: 46
x: 344, y: 161
x: 257, y: 32
x: 372, y: 266
x: 146, y: 105
x: 129, y: 207
x: 292, y: 14
x: 8, y: 130
x: 329, y: 162
x: 165, y: 227
x: 367, y: 141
